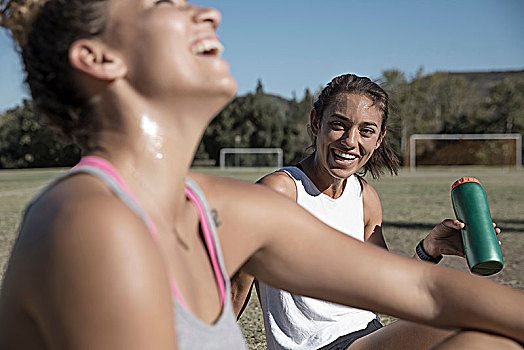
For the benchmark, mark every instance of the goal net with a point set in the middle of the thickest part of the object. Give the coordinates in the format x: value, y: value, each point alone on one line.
x: 251, y: 158
x: 465, y: 149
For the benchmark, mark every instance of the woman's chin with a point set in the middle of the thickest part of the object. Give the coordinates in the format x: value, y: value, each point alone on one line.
x: 342, y: 173
x: 225, y: 92
x: 229, y: 86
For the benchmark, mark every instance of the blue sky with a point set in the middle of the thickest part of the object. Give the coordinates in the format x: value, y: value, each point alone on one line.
x: 294, y: 44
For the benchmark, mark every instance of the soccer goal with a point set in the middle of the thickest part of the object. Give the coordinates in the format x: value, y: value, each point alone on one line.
x: 251, y: 158
x: 465, y: 149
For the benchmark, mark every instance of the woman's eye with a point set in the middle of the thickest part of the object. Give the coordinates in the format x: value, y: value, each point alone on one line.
x: 368, y: 131
x: 337, y: 125
x: 180, y: 4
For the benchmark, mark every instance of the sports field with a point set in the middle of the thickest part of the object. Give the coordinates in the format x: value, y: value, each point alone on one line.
x: 412, y: 204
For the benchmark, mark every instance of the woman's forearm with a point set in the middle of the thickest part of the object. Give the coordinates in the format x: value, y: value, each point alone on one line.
x: 342, y: 270
x: 296, y: 252
x: 479, y: 303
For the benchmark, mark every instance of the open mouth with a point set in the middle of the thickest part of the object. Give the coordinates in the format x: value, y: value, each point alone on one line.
x: 345, y: 157
x: 208, y: 46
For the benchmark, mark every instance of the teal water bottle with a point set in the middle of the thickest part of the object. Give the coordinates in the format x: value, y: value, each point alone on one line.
x: 480, y: 241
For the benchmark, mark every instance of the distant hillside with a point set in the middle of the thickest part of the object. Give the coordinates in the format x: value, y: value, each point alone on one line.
x: 485, y: 80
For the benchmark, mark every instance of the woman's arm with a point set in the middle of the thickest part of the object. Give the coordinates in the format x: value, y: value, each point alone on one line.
x: 445, y: 238
x: 288, y: 248
x: 241, y: 286
x: 242, y: 282
x: 372, y: 216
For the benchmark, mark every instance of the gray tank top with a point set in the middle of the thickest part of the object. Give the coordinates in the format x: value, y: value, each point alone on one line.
x: 192, y: 333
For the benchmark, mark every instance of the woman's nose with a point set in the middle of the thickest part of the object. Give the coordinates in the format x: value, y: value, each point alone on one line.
x: 203, y: 14
x: 350, y: 138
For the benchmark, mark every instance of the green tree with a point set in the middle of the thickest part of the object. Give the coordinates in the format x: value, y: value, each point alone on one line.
x: 506, y: 106
x: 248, y: 121
x: 259, y: 121
x: 426, y: 104
x: 260, y: 87
x: 396, y: 85
x: 299, y: 140
x: 25, y: 142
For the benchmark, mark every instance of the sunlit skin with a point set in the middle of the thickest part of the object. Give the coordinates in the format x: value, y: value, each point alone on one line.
x: 165, y: 79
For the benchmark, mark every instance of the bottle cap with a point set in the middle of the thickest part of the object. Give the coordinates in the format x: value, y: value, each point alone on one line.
x: 464, y: 180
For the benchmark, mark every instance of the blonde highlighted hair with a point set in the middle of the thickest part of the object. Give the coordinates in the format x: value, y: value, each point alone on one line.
x: 45, y: 30
x: 18, y: 16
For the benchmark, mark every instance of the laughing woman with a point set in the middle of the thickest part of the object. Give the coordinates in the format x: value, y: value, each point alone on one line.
x: 348, y: 122
x: 121, y: 252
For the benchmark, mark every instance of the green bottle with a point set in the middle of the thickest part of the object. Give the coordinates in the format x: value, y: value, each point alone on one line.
x: 480, y: 241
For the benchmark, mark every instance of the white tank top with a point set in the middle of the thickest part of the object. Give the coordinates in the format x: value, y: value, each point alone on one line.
x: 297, y: 322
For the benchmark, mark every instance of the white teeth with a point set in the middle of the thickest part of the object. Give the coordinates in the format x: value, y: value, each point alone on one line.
x: 345, y: 155
x: 209, y: 46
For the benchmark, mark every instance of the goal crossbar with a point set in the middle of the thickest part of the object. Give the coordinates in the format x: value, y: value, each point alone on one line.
x: 277, y: 151
x: 413, y: 138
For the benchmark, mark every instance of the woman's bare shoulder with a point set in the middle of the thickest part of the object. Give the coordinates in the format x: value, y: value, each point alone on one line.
x: 217, y: 185
x: 78, y: 219
x: 372, y: 212
x: 81, y: 202
x: 281, y: 182
x: 369, y: 194
x: 79, y: 243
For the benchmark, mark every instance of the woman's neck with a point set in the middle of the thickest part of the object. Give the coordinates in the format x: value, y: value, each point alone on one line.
x: 323, y: 180
x: 152, y: 152
x: 151, y: 141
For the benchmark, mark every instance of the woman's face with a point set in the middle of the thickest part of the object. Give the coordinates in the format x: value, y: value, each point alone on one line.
x: 347, y: 134
x: 170, y: 48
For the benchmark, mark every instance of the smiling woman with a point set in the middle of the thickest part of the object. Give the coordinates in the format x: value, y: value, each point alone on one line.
x: 122, y: 251
x: 354, y: 112
x: 348, y: 123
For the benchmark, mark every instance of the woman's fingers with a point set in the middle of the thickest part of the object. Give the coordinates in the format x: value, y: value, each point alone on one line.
x: 497, y: 229
x: 453, y: 223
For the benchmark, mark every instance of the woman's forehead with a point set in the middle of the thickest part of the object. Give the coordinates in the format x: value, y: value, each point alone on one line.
x: 126, y: 9
x: 129, y: 5
x: 347, y: 100
x: 347, y: 104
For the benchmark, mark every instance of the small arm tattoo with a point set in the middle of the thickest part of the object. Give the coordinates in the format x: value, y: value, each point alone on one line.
x: 214, y: 212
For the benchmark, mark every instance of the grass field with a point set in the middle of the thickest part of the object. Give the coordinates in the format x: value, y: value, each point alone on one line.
x: 412, y: 204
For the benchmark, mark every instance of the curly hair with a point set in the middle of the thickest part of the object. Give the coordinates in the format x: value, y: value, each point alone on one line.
x: 45, y: 30
x: 384, y: 157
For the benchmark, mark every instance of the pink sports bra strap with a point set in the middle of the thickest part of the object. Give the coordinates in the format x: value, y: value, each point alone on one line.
x: 106, y: 167
x: 208, y: 237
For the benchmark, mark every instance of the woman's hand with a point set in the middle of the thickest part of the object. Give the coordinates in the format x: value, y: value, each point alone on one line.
x: 445, y: 239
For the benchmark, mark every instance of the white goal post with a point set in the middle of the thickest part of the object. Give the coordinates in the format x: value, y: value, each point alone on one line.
x: 225, y: 151
x: 413, y: 139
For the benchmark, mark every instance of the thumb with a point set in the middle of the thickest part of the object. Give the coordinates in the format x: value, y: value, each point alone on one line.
x: 454, y: 224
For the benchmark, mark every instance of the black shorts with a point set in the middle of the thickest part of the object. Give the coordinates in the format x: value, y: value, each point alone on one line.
x: 344, y: 341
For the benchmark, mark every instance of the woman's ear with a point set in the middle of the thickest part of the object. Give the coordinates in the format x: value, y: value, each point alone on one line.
x: 379, y: 141
x: 314, y: 122
x: 96, y: 60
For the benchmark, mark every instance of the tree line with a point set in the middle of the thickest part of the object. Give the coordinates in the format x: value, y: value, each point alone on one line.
x: 438, y: 103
